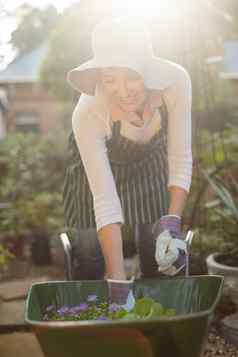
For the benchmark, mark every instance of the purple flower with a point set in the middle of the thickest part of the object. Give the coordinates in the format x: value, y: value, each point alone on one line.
x: 113, y: 307
x: 73, y: 310
x: 80, y: 308
x: 63, y: 310
x: 102, y: 318
x: 92, y: 298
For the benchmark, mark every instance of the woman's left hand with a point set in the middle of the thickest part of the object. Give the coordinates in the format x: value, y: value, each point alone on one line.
x: 171, y: 249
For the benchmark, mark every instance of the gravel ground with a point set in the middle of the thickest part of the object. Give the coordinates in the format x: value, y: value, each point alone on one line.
x: 216, y: 346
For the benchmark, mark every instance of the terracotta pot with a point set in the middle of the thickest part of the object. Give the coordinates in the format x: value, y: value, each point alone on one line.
x: 15, y: 245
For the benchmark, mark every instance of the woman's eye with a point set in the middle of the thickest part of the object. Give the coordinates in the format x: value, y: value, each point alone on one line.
x: 108, y: 80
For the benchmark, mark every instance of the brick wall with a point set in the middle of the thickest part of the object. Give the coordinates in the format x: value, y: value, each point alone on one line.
x: 31, y: 99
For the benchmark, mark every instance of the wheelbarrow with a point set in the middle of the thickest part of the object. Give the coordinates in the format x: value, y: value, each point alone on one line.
x: 194, y: 298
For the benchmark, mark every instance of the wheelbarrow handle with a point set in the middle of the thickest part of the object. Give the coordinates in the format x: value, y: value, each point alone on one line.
x: 188, y: 240
x: 67, y: 254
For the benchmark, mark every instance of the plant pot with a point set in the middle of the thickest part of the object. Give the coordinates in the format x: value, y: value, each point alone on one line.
x: 230, y: 273
x: 15, y: 245
x: 215, y: 266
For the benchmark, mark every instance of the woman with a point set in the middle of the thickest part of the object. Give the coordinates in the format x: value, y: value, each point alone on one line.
x: 132, y: 163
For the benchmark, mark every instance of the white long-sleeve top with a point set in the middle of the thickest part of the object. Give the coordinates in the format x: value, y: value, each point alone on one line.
x: 92, y: 123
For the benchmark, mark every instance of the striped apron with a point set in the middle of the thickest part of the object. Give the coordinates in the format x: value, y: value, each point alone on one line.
x: 140, y: 172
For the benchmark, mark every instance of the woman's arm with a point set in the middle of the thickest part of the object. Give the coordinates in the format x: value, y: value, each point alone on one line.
x: 179, y: 99
x: 178, y: 197
x: 90, y: 134
x: 111, y: 243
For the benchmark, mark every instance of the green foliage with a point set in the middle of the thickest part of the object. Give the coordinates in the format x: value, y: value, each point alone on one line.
x: 33, y: 183
x: 67, y: 49
x: 121, y: 314
x: 34, y: 27
x: 145, y: 308
x: 224, y: 211
x: 218, y: 148
x: 211, y: 218
x: 130, y: 316
x: 5, y: 257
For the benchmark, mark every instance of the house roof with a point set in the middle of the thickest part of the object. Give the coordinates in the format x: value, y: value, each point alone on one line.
x: 230, y: 60
x: 24, y: 68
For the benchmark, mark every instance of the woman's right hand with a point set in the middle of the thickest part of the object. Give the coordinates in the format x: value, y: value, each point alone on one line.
x: 121, y: 293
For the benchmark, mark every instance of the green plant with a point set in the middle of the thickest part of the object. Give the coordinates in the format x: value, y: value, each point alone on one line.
x: 218, y: 147
x: 32, y: 186
x: 5, y: 257
x: 144, y: 308
x: 217, y: 156
x: 224, y: 210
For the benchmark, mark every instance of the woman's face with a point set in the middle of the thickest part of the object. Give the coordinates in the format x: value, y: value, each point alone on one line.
x: 123, y: 87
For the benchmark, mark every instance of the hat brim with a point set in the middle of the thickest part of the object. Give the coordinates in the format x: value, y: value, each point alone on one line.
x: 157, y: 73
x: 84, y: 77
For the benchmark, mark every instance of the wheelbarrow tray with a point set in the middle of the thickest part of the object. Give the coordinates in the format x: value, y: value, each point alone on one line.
x: 194, y: 298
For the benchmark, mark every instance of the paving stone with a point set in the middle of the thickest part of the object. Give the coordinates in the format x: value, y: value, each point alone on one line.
x: 12, y: 313
x: 19, y: 345
x: 18, y: 289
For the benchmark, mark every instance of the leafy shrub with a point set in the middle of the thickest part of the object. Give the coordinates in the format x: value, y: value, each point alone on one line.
x: 224, y: 211
x: 32, y: 182
x: 5, y: 257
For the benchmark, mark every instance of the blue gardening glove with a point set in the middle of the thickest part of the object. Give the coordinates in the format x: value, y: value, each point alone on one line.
x: 121, y: 293
x: 171, y: 249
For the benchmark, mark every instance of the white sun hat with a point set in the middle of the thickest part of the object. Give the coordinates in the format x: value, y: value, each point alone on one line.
x: 124, y: 42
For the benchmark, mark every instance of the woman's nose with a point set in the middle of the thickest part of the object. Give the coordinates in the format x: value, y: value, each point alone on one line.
x: 122, y: 89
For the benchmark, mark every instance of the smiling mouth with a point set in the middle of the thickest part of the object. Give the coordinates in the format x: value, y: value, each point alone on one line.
x: 128, y: 103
